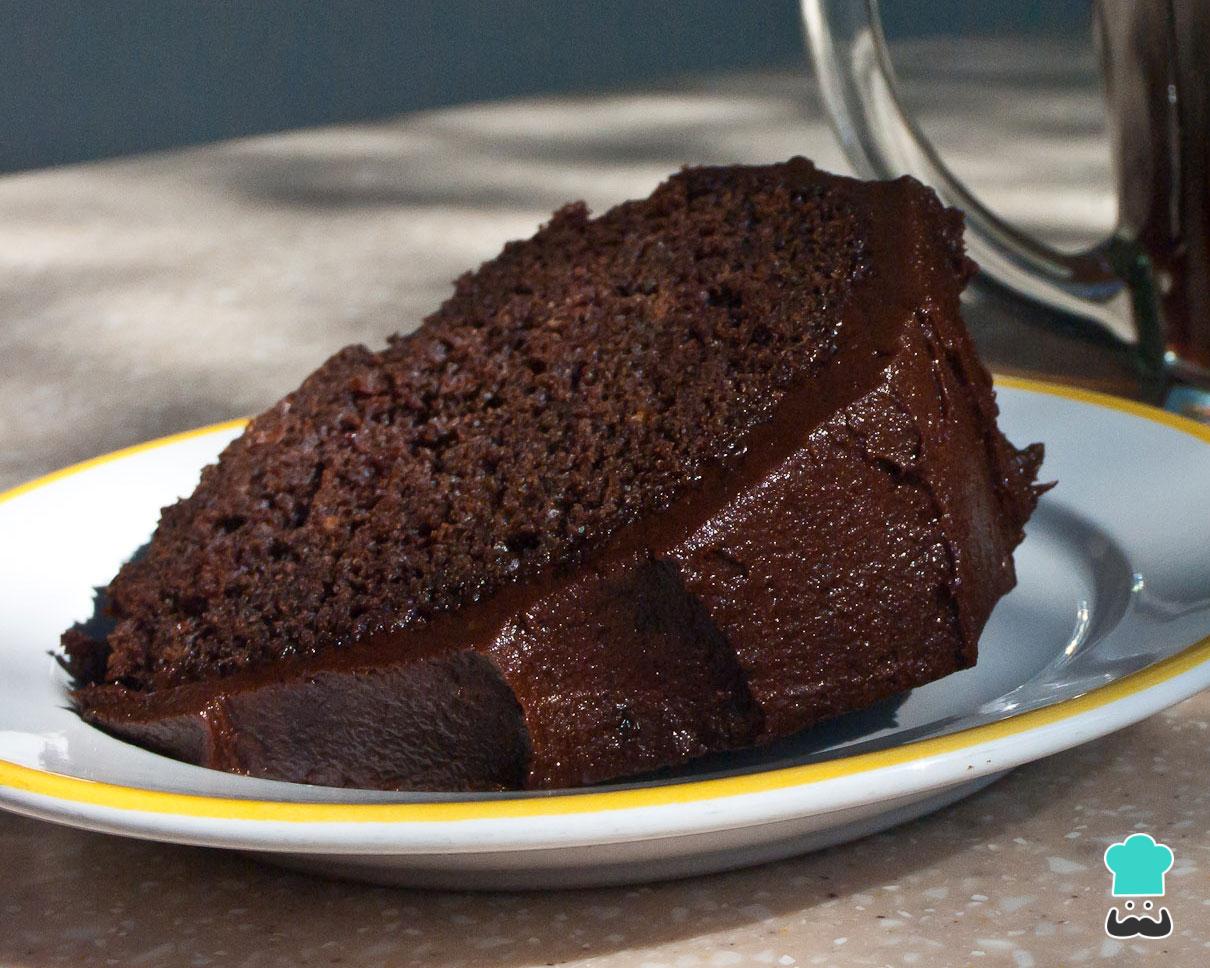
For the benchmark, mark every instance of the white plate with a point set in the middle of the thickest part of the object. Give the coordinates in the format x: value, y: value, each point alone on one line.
x: 1110, y: 622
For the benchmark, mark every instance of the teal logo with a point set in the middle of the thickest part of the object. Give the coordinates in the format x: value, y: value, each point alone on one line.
x: 1138, y: 865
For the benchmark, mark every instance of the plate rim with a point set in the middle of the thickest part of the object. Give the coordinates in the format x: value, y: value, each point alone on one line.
x: 60, y: 787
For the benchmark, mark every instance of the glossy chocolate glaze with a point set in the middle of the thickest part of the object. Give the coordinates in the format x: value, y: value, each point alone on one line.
x: 851, y: 548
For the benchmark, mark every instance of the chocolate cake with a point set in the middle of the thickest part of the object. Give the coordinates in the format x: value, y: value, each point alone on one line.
x: 684, y: 478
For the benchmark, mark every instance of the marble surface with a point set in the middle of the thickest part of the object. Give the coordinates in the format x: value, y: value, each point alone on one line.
x: 147, y: 296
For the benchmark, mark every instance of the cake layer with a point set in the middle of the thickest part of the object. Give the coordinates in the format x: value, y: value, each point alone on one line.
x: 579, y: 381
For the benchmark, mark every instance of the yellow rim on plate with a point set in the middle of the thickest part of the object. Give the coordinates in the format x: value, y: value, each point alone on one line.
x: 59, y: 787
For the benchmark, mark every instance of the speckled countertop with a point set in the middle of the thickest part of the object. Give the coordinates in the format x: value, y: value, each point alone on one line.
x: 146, y: 296
x: 1009, y: 877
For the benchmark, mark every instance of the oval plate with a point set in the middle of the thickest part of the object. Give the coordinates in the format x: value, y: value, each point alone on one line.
x: 1109, y: 623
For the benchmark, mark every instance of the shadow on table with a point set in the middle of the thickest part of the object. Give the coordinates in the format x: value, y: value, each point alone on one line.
x: 87, y: 899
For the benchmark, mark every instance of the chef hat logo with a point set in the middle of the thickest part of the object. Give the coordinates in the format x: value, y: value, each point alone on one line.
x: 1138, y: 865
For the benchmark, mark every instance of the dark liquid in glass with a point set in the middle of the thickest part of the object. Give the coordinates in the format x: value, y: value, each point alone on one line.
x: 1156, y: 58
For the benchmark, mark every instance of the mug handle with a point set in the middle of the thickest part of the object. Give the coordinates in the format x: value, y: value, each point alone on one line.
x: 1107, y: 292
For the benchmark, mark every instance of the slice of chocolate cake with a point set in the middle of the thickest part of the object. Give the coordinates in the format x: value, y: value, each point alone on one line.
x: 684, y: 478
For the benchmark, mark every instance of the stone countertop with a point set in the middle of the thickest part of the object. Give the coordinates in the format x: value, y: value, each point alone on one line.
x: 1009, y: 877
x: 147, y: 296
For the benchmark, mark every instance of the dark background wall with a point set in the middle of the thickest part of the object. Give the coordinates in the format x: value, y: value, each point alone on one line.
x: 83, y: 79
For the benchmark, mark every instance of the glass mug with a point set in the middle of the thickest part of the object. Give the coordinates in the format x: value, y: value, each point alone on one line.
x: 1151, y: 278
